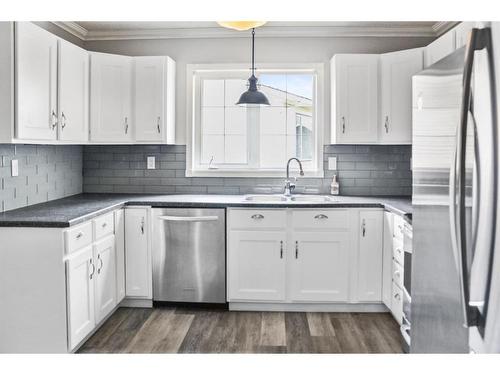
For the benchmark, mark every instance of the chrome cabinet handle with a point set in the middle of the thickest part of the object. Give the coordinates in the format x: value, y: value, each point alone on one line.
x: 54, y: 120
x: 63, y: 120
x: 386, y: 124
x: 142, y: 225
x: 343, y: 124
x: 397, y: 296
x: 321, y: 216
x: 93, y: 269
x: 101, y: 264
x: 257, y: 216
x: 126, y: 125
x: 79, y: 235
x: 104, y: 225
x: 296, y: 249
x: 281, y: 249
x: 363, y: 227
x: 158, y: 124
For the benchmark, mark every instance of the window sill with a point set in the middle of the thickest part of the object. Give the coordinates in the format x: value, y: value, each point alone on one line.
x: 246, y: 173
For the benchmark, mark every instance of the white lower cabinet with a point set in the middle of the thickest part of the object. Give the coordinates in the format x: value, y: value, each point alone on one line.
x: 120, y: 254
x: 256, y: 265
x: 319, y: 269
x: 310, y: 256
x: 105, y: 280
x: 370, y: 256
x: 80, y: 271
x: 138, y: 279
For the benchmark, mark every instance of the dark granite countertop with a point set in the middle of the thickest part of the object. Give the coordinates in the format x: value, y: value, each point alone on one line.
x: 76, y: 209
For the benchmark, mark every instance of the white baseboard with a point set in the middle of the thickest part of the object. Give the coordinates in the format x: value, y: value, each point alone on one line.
x: 137, y: 302
x: 308, y: 307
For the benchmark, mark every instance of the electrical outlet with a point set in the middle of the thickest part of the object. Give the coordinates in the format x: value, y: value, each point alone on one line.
x: 332, y: 163
x: 14, y: 167
x: 151, y: 162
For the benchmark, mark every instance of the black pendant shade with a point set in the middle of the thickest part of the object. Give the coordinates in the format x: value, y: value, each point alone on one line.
x: 253, y: 96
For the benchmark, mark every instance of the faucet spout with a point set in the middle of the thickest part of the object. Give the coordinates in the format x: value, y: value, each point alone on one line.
x: 288, y: 184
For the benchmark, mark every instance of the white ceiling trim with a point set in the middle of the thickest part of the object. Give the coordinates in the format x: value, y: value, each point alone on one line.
x: 369, y: 30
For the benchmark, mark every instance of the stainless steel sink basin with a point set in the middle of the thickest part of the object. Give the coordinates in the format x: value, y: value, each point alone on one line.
x: 311, y: 198
x: 266, y: 198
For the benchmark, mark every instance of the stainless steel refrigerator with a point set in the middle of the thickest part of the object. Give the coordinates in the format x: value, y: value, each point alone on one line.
x: 455, y: 296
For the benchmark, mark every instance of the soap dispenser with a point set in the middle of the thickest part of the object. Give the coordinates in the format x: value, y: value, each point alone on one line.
x: 334, y: 186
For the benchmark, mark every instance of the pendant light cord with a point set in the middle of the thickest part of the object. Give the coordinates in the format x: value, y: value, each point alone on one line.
x: 253, y: 51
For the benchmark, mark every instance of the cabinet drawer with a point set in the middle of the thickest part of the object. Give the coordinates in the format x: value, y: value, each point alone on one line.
x: 399, y: 224
x: 104, y: 225
x: 397, y: 303
x: 320, y: 219
x: 397, y: 274
x: 258, y: 219
x: 78, y: 237
x: 397, y: 250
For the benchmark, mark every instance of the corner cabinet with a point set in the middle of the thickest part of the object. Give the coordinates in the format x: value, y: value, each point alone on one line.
x: 354, y: 92
x: 154, y: 99
x: 396, y: 71
x: 110, y: 98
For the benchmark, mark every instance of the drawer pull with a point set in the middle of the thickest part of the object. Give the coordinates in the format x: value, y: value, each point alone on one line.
x: 100, y: 266
x: 79, y: 235
x: 257, y: 216
x: 363, y: 227
x: 281, y: 249
x: 321, y: 216
x: 93, y: 269
x: 296, y: 249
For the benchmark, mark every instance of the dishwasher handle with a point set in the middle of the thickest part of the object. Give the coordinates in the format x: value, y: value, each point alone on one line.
x: 188, y: 218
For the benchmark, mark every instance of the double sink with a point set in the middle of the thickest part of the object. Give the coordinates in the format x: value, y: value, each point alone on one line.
x: 294, y: 198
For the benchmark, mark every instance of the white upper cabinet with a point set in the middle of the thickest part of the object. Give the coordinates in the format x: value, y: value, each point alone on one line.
x: 370, y: 256
x: 110, y: 98
x: 73, y: 92
x: 154, y: 99
x: 440, y: 48
x: 36, y: 83
x: 354, y: 85
x: 396, y: 69
x: 462, y: 33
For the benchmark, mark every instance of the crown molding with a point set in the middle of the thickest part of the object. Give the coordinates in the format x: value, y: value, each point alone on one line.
x: 367, y: 29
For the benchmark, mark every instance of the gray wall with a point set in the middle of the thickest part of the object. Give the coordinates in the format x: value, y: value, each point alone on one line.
x: 237, y: 50
x: 362, y: 170
x: 45, y: 173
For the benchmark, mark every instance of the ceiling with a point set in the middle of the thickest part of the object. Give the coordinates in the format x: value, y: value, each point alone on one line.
x: 95, y: 30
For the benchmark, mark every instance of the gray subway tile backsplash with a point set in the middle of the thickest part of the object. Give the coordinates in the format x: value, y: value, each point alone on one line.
x: 361, y: 169
x: 45, y: 173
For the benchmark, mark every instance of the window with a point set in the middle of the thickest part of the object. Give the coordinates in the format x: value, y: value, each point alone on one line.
x: 231, y: 140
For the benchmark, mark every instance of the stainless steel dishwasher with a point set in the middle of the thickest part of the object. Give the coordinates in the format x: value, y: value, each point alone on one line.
x: 189, y: 255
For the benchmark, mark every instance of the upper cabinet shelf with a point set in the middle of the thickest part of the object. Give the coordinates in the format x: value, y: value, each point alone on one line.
x: 54, y: 92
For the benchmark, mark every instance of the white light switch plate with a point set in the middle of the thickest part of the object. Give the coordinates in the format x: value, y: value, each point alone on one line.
x: 332, y: 163
x: 14, y: 165
x: 151, y: 162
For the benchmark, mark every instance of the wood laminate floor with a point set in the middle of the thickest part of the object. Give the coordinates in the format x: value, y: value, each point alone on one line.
x: 183, y: 330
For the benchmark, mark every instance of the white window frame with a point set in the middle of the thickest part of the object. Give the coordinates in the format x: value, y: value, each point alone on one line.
x: 193, y: 72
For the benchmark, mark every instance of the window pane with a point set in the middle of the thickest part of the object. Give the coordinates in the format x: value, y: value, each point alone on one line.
x: 213, y: 93
x: 272, y: 151
x: 236, y: 120
x: 274, y: 87
x: 212, y: 120
x: 235, y: 147
x: 273, y: 120
x: 212, y: 147
x: 234, y: 89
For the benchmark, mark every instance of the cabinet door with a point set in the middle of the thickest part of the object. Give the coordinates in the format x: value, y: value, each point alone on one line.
x: 120, y: 254
x: 73, y: 92
x: 138, y: 281
x: 149, y: 98
x: 319, y: 266
x: 397, y: 68
x: 355, y: 96
x: 110, y: 98
x: 80, y: 273
x: 387, y: 259
x: 256, y: 265
x: 462, y: 32
x: 440, y: 48
x: 370, y: 257
x: 105, y: 281
x: 36, y: 82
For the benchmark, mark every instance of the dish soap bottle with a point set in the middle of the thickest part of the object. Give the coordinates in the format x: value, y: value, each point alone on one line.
x: 334, y: 186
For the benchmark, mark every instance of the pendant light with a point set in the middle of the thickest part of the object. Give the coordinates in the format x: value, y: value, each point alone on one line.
x: 253, y: 96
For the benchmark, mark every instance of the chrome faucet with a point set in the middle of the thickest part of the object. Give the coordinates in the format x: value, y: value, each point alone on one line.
x: 289, y: 186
